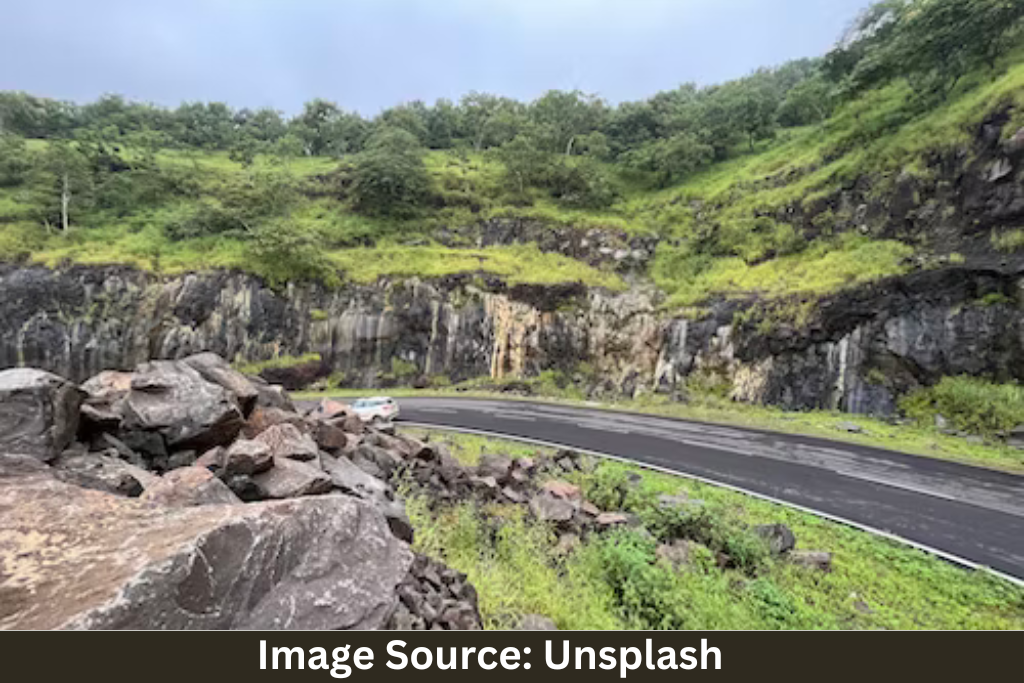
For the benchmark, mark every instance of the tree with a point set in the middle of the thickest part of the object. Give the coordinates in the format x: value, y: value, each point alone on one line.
x: 411, y: 117
x: 561, y: 117
x: 64, y: 183
x: 389, y: 177
x: 15, y: 161
x: 672, y: 159
x: 583, y: 184
x: 325, y: 129
x: 525, y: 164
x: 808, y: 102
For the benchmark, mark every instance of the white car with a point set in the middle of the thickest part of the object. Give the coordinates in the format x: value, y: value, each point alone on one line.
x: 378, y: 410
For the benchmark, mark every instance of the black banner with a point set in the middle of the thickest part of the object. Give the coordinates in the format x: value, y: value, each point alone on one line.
x: 186, y: 657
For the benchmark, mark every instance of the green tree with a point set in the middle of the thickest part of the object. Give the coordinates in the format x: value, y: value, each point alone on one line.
x: 15, y: 161
x: 525, y: 163
x: 389, y: 177
x: 64, y: 184
x: 808, y: 102
x: 562, y: 117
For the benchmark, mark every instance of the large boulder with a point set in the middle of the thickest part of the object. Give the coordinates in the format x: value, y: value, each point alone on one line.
x: 287, y: 441
x: 187, y: 487
x: 80, y: 559
x: 271, y: 395
x: 215, y: 369
x: 291, y: 478
x: 246, y: 457
x: 103, y: 472
x: 171, y: 398
x: 38, y: 413
x: 104, y: 403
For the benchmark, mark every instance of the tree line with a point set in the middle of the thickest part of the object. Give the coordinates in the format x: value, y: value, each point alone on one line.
x: 560, y: 143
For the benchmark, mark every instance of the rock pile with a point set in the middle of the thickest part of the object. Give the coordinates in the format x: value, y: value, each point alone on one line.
x: 186, y: 495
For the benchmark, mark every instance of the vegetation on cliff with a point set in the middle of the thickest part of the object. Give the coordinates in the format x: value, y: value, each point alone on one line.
x: 750, y: 186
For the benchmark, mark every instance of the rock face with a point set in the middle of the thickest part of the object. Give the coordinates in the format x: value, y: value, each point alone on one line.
x: 38, y: 413
x: 313, y: 563
x: 861, y: 351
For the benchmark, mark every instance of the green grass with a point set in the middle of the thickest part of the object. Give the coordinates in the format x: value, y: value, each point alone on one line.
x: 969, y: 404
x: 822, y: 269
x: 916, y: 439
x: 276, y: 363
x: 615, y: 582
x: 515, y: 264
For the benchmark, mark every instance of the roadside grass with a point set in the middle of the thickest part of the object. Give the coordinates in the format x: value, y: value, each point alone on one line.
x: 915, y: 439
x: 278, y: 363
x: 615, y: 580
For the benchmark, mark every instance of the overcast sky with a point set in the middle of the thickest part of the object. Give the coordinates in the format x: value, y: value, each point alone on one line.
x: 370, y: 54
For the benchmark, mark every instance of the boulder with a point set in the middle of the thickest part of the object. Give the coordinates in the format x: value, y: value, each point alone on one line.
x: 385, y: 460
x: 322, y: 563
x: 333, y: 439
x: 290, y: 478
x: 102, y: 472
x: 38, y: 413
x: 780, y: 538
x: 329, y: 410
x: 547, y: 508
x: 263, y: 419
x: 187, y: 487
x: 536, y: 622
x: 813, y: 559
x: 173, y: 399
x: 286, y: 441
x: 104, y: 403
x: 497, y: 466
x: 352, y: 480
x: 213, y: 459
x: 246, y: 456
x: 215, y: 369
x: 563, y: 490
x: 271, y: 395
x: 610, y: 519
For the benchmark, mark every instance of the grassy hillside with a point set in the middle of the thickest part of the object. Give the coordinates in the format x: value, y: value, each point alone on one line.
x: 617, y: 581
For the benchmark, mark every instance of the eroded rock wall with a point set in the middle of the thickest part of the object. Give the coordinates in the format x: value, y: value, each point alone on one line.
x: 860, y: 350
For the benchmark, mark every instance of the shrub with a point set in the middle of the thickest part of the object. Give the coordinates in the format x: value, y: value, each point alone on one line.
x: 969, y: 404
x: 390, y: 178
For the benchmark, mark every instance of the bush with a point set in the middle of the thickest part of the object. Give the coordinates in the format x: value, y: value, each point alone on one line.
x: 969, y: 404
x: 15, y: 161
x: 390, y: 178
x: 584, y: 185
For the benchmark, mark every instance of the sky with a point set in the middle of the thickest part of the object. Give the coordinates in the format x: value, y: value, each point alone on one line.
x: 367, y: 55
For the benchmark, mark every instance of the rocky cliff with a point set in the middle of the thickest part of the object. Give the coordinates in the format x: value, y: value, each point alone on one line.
x: 859, y: 350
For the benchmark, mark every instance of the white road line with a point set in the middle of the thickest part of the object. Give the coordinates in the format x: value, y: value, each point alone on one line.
x: 955, y: 559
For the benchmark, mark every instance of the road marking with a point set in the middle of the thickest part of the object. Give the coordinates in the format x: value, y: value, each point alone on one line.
x: 949, y: 557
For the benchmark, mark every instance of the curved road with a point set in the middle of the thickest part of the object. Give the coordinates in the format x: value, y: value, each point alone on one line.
x: 968, y: 513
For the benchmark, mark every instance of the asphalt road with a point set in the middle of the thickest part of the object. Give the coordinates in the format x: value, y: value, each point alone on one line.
x: 969, y: 513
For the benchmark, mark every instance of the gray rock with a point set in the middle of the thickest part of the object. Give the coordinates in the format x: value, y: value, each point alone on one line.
x: 247, y: 456
x: 941, y: 422
x: 286, y: 441
x: 1016, y: 438
x: 104, y: 403
x: 386, y: 461
x: 536, y: 622
x: 187, y: 487
x: 780, y: 537
x: 547, y: 508
x: 315, y: 563
x: 347, y: 477
x: 38, y: 413
x: 814, y: 559
x: 497, y: 466
x: 215, y: 369
x: 271, y: 395
x: 102, y: 473
x: 173, y: 399
x: 850, y: 427
x: 290, y: 478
